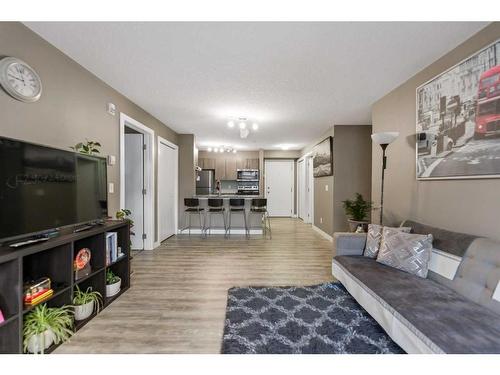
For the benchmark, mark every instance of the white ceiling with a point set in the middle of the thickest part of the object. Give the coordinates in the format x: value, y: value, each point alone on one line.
x: 294, y: 79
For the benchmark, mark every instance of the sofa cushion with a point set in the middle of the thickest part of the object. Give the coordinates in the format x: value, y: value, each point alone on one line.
x: 446, y: 321
x: 408, y: 252
x: 374, y: 238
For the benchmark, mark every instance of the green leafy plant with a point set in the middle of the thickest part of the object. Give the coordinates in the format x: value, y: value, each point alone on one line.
x: 111, y: 278
x: 357, y: 209
x: 89, y: 147
x: 59, y: 320
x: 124, y: 214
x: 82, y: 298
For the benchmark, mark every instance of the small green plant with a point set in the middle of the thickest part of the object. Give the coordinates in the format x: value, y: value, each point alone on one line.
x: 357, y: 209
x: 124, y: 214
x: 89, y: 147
x: 59, y: 320
x: 111, y: 278
x: 82, y: 298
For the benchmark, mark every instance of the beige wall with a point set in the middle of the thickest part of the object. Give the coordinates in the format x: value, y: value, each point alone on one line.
x: 72, y: 106
x: 462, y: 205
x: 323, y: 199
x: 352, y: 164
x: 188, y: 159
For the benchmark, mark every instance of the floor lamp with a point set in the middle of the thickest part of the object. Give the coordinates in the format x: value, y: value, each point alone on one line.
x: 383, y: 139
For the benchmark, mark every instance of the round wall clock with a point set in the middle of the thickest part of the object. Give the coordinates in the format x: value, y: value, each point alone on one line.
x: 20, y: 80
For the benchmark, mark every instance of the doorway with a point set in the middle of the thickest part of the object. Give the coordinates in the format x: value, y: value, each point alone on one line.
x: 137, y: 179
x: 305, y: 189
x: 279, y: 189
x: 168, y: 156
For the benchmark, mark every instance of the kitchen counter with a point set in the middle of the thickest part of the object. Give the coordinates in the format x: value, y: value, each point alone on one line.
x: 227, y: 196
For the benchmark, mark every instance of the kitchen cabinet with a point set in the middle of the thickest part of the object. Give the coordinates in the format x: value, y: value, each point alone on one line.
x: 231, y: 169
x: 220, y: 169
x: 206, y: 163
x: 252, y: 163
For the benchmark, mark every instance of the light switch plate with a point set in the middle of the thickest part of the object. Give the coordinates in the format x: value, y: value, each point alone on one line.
x: 111, y: 188
x: 326, y: 187
x: 111, y: 109
x: 111, y: 159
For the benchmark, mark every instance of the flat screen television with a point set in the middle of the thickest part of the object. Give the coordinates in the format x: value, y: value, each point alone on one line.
x: 44, y: 188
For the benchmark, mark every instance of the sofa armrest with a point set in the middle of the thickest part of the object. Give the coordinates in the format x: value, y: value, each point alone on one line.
x: 349, y: 243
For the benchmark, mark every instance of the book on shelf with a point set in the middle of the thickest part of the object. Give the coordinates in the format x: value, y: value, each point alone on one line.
x: 111, y: 247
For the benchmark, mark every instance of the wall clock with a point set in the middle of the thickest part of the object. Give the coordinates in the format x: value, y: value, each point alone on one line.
x: 20, y: 80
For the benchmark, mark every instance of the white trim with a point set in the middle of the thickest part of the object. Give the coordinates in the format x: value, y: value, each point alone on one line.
x: 149, y: 168
x: 176, y: 192
x: 324, y: 234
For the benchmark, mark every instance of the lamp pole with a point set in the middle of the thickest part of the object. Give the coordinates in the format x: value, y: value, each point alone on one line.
x: 384, y: 165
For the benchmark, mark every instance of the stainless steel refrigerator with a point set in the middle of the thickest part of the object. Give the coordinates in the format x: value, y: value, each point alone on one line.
x: 205, y: 182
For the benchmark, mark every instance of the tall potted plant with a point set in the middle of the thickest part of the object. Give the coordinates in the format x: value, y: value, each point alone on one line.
x: 85, y: 303
x: 357, y: 211
x: 44, y: 326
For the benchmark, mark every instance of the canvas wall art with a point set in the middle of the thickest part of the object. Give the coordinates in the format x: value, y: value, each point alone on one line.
x: 458, y: 120
x: 323, y: 158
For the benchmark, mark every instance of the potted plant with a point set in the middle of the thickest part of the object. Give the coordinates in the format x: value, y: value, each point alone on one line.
x: 357, y: 211
x: 113, y: 283
x: 85, y: 303
x: 44, y: 326
x: 88, y: 148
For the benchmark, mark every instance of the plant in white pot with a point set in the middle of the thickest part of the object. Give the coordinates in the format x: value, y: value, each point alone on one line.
x: 85, y: 303
x: 113, y: 283
x: 357, y: 211
x: 44, y: 326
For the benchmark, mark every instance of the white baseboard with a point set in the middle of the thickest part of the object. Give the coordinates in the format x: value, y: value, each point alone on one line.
x: 156, y: 244
x: 324, y: 234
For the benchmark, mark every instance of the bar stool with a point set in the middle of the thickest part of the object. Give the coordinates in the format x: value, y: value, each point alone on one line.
x: 237, y: 205
x: 259, y: 206
x: 192, y: 207
x: 215, y: 206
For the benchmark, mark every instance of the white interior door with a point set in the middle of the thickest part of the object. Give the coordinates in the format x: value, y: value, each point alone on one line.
x: 134, y: 185
x: 279, y: 176
x: 302, y: 188
x: 167, y: 188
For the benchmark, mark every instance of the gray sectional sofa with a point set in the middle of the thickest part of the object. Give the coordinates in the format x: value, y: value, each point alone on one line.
x: 456, y: 309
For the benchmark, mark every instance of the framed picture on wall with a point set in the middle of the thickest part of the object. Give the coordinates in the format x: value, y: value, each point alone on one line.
x: 323, y: 158
x: 458, y: 120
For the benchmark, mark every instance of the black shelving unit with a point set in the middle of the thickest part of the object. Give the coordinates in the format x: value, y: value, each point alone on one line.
x: 54, y: 259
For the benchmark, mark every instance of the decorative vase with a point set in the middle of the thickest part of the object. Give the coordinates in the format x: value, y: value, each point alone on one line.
x: 113, y: 289
x: 353, y: 225
x: 42, y: 340
x: 82, y: 312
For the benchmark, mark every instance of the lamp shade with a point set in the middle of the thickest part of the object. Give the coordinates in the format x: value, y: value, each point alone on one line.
x: 384, y: 138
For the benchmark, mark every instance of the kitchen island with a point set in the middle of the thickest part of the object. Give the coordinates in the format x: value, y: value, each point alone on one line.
x: 237, y: 221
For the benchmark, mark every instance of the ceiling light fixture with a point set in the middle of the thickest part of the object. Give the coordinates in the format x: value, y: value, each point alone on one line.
x: 242, y: 125
x: 221, y: 149
x: 230, y: 124
x: 210, y: 149
x: 255, y: 126
x: 216, y: 149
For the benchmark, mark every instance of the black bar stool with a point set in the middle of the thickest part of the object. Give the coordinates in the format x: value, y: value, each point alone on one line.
x: 237, y: 205
x: 192, y: 207
x: 259, y: 206
x: 215, y: 206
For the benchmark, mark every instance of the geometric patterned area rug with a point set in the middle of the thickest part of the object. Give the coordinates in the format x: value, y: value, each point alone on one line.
x: 321, y: 318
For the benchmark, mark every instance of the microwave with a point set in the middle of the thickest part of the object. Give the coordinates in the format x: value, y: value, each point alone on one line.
x: 247, y: 174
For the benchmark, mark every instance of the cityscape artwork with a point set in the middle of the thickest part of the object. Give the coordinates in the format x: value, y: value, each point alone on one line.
x: 458, y: 120
x: 323, y: 158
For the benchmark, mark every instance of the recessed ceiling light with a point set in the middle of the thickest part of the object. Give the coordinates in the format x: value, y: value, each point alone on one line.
x: 242, y: 125
x: 284, y: 147
x: 210, y: 149
x: 230, y: 124
x: 255, y: 126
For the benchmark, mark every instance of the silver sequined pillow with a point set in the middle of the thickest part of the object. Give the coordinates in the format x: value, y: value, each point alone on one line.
x: 406, y: 251
x: 373, y: 238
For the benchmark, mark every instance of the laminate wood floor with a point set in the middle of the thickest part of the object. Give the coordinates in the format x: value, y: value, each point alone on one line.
x: 177, y: 300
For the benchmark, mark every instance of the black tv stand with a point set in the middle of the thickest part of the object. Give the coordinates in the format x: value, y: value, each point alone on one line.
x: 87, y: 226
x: 29, y: 241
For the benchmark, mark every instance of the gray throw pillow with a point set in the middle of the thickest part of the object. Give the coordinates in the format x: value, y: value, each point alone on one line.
x: 406, y: 251
x: 374, y: 237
